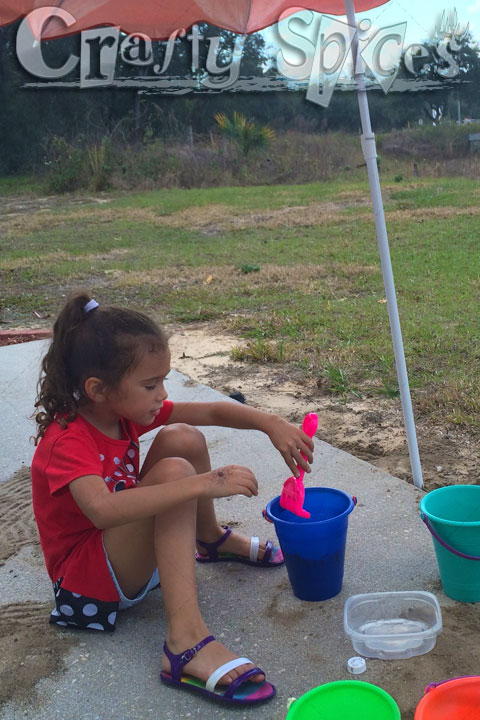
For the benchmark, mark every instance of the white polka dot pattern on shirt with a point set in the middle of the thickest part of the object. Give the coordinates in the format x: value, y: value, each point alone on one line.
x: 131, y: 453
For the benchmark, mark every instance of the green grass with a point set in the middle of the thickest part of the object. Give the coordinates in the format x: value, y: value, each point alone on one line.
x: 165, y: 202
x: 12, y: 185
x: 333, y: 324
x: 455, y: 192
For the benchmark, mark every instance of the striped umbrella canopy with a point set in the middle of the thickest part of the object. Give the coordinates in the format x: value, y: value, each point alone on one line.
x: 159, y: 18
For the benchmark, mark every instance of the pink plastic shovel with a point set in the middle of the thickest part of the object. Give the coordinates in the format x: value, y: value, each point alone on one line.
x: 293, y: 493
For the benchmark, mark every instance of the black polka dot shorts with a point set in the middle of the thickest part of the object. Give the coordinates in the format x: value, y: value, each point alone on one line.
x: 85, y: 613
x: 81, y: 612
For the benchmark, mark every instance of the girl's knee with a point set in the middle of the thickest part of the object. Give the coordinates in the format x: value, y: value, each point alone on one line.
x: 183, y: 440
x: 168, y: 470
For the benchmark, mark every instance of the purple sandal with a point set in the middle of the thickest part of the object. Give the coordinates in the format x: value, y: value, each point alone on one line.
x: 272, y: 558
x: 242, y: 691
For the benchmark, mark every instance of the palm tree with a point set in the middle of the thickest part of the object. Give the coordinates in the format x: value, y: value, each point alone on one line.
x: 244, y: 133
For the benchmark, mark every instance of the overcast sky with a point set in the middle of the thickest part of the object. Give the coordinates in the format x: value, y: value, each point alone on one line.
x: 420, y: 16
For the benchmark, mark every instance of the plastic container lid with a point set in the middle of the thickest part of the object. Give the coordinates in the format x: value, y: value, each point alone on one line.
x: 392, y: 625
x: 356, y: 665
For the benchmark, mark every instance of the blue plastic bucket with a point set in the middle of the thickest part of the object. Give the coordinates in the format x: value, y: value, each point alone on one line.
x: 452, y: 514
x: 314, y: 548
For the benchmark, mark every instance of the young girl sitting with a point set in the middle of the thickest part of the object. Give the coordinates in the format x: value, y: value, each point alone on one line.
x: 102, y: 385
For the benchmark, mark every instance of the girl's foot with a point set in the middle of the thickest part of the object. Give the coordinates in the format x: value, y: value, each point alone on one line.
x: 226, y: 545
x: 207, y: 660
x: 235, y: 543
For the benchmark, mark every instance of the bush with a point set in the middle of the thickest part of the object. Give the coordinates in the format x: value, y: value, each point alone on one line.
x: 65, y: 165
x: 246, y: 135
x: 99, y: 162
x: 440, y: 142
x: 292, y: 157
x: 77, y: 166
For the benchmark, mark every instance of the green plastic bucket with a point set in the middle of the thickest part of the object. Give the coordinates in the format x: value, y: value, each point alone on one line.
x: 345, y: 700
x: 452, y: 514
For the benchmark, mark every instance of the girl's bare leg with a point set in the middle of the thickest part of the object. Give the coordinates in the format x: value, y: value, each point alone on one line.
x: 187, y: 442
x: 168, y: 541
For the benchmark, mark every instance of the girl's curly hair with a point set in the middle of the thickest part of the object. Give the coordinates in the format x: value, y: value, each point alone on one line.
x: 106, y: 342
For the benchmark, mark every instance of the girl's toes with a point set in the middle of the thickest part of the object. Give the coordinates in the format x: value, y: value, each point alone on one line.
x: 239, y: 671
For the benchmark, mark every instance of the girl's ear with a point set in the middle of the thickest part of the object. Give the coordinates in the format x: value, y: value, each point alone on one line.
x: 95, y: 390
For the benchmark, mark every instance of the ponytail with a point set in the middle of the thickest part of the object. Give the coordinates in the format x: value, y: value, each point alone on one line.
x: 90, y: 341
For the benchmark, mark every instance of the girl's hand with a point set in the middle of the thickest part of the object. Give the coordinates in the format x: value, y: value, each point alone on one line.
x: 291, y: 442
x: 230, y: 480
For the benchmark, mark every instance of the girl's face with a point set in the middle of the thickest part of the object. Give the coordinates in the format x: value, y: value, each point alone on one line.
x: 140, y: 394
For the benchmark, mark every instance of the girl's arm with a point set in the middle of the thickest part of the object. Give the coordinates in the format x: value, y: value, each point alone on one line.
x: 289, y: 440
x: 106, y: 509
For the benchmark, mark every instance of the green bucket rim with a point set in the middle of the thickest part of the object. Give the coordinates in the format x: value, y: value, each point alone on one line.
x: 443, y: 490
x: 359, y: 685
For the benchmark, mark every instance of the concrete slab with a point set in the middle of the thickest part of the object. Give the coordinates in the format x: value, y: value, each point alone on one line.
x: 300, y: 645
x: 19, y: 372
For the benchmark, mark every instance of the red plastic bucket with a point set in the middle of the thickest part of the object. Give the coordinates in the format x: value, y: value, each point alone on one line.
x: 457, y: 699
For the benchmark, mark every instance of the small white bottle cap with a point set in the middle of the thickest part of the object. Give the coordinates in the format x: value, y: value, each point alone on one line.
x: 356, y: 665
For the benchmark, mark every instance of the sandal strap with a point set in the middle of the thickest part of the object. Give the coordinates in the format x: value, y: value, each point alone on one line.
x: 230, y: 691
x: 177, y: 662
x: 254, y: 546
x: 212, y: 547
x: 268, y: 552
x: 223, y: 670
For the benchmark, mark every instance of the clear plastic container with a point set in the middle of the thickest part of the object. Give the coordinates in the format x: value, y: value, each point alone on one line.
x: 393, y: 625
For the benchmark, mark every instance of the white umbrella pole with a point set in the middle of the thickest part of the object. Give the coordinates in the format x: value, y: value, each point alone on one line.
x: 370, y: 153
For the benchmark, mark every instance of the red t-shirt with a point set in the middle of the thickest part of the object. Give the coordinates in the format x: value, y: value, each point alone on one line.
x: 72, y: 545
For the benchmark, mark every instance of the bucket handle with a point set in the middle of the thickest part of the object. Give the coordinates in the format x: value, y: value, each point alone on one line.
x: 445, y: 545
x: 265, y: 516
x: 432, y: 686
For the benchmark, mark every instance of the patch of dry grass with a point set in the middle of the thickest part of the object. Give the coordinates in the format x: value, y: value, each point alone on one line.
x: 61, y: 255
x: 452, y: 402
x: 306, y: 278
x: 214, y: 218
x: 433, y: 213
x: 40, y: 221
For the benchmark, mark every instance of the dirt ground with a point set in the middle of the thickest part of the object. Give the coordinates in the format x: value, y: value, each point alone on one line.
x: 29, y: 651
x: 369, y: 428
